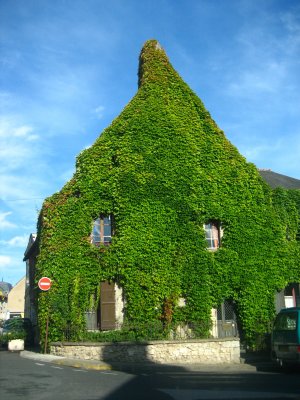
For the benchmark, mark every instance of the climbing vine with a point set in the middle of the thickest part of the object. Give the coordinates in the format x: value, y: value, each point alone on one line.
x: 162, y: 169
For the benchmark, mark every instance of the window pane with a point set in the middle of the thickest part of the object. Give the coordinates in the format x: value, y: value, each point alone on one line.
x: 96, y: 231
x: 102, y: 230
x: 286, y: 321
x: 215, y: 232
x: 207, y: 228
x: 107, y: 230
x: 212, y: 235
x: 106, y: 220
x: 209, y: 243
x: 208, y: 234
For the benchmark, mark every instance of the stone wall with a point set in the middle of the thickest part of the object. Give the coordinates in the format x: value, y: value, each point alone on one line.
x: 210, y: 351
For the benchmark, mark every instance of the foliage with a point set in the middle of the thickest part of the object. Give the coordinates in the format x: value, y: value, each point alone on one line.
x: 163, y: 168
x: 129, y: 332
x: 7, y: 337
x: 155, y: 330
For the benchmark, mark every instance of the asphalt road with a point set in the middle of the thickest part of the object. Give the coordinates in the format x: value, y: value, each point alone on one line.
x: 22, y: 378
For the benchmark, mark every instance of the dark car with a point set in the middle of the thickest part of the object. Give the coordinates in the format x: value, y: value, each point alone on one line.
x: 19, y: 328
x: 285, y: 341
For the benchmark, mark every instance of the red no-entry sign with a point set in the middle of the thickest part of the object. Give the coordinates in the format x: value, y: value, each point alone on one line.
x: 45, y: 283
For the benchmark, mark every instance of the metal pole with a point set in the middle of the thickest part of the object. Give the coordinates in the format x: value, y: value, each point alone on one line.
x: 46, y: 337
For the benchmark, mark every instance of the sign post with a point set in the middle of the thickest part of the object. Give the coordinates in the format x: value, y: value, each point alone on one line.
x: 45, y: 284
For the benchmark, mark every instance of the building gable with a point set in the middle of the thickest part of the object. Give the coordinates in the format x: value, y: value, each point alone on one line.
x: 163, y: 169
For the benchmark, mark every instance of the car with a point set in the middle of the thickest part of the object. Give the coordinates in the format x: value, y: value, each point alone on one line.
x: 18, y: 328
x: 285, y: 337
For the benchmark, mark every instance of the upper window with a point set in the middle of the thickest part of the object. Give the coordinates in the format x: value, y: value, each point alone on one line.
x: 212, y: 234
x: 102, y: 230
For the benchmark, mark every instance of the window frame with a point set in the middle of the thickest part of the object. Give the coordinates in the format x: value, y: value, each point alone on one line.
x: 213, y: 234
x: 99, y: 235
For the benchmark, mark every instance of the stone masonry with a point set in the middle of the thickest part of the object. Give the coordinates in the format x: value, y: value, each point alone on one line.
x: 209, y: 351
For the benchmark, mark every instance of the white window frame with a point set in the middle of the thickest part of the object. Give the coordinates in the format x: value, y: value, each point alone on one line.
x: 213, y: 234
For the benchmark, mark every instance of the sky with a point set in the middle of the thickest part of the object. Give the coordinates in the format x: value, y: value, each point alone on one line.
x: 69, y: 67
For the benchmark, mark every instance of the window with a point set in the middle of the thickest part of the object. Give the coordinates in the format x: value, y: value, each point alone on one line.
x: 102, y: 230
x: 286, y: 321
x: 212, y: 234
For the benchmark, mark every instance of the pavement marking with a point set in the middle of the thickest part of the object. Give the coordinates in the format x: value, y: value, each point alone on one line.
x: 52, y: 366
x: 109, y: 373
x: 78, y: 370
x: 194, y: 394
x: 40, y: 364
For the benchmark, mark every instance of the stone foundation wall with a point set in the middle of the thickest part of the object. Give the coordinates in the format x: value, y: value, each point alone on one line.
x: 210, y: 351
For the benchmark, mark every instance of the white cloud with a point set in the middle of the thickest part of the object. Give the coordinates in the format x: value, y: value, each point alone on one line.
x: 12, y: 268
x: 267, y: 56
x: 5, y: 261
x: 17, y: 241
x: 16, y: 144
x: 99, y: 111
x: 4, y: 223
x: 13, y: 188
x: 25, y: 132
x: 266, y: 78
x: 9, y: 127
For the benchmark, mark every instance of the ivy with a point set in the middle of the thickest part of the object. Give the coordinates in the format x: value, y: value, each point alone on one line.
x: 163, y: 168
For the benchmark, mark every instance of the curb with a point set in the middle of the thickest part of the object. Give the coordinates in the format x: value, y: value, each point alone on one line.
x: 39, y: 356
x: 84, y: 364
x: 134, y: 367
x: 59, y: 360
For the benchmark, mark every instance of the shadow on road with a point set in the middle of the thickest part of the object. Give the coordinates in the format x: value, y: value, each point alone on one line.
x: 146, y: 378
x: 262, y: 362
x: 151, y: 381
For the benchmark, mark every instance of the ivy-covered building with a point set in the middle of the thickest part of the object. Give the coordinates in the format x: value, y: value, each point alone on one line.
x: 164, y: 221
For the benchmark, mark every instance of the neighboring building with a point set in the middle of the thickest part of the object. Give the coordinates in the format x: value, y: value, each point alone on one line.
x: 5, y: 288
x: 276, y: 180
x: 163, y: 222
x: 290, y: 295
x: 16, y: 300
x: 30, y: 290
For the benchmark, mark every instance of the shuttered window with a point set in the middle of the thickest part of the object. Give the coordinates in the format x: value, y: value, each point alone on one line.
x: 107, y: 306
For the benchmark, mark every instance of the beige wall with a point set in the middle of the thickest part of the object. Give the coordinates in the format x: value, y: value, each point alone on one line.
x: 3, y: 309
x: 16, y: 298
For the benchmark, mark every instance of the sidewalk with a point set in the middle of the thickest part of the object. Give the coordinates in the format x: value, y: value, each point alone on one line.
x: 71, y: 362
x: 144, y: 367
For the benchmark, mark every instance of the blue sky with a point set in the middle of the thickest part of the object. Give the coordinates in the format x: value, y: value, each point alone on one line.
x: 69, y: 67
